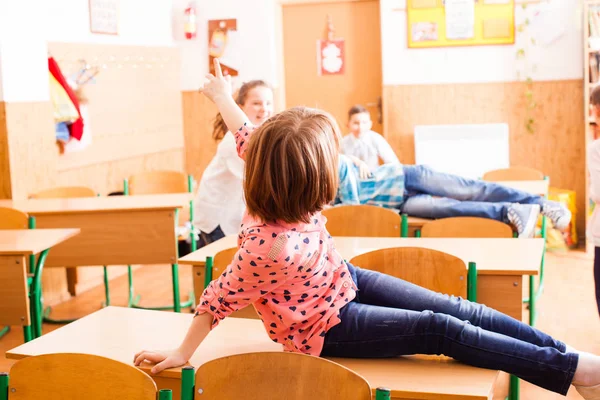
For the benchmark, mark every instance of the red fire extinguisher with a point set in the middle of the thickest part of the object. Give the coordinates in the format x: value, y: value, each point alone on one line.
x: 190, y: 25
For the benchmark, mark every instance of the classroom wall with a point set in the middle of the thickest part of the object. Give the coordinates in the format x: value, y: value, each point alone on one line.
x: 143, y: 135
x: 481, y: 84
x: 258, y: 52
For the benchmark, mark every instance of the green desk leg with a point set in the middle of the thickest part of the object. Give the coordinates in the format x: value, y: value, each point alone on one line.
x: 383, y: 394
x: 404, y: 226
x: 27, y: 335
x: 208, y: 271
x: 472, y: 282
x: 3, y: 385
x: 35, y: 295
x: 106, y: 288
x: 4, y: 331
x: 532, y: 301
x: 514, y: 390
x: 165, y: 394
x: 187, y: 383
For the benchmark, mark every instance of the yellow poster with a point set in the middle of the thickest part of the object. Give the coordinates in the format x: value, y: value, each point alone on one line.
x: 444, y: 23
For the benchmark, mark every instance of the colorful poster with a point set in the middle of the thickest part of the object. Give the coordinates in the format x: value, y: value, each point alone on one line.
x: 224, y: 44
x: 331, y: 57
x: 424, y: 31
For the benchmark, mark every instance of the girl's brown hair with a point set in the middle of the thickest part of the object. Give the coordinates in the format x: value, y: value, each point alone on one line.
x: 292, y: 166
x: 219, y: 126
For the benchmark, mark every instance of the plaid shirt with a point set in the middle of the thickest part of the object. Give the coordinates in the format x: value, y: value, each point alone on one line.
x: 385, y: 188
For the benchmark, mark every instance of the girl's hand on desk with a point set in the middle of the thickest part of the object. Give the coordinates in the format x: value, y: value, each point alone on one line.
x: 163, y: 359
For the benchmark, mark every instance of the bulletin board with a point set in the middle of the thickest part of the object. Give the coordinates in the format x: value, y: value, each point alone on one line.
x: 493, y: 23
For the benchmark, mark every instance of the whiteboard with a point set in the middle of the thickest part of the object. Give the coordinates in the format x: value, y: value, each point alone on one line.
x: 465, y: 150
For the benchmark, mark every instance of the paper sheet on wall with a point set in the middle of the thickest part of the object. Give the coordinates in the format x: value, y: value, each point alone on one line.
x: 460, y: 19
x: 551, y: 14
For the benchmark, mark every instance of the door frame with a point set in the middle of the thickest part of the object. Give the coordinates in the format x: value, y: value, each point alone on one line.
x: 280, y: 103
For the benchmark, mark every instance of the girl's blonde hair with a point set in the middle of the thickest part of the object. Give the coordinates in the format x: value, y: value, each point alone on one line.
x: 292, y: 166
x: 219, y: 126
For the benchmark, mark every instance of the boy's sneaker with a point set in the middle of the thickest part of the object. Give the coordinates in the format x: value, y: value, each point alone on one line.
x: 523, y: 218
x: 558, y: 214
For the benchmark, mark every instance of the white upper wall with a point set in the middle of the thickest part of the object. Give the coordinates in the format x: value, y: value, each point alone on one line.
x: 23, y: 52
x: 256, y: 24
x: 560, y: 59
x: 141, y: 23
x: 27, y: 26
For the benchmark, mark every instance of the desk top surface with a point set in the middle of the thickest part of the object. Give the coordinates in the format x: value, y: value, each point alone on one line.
x: 32, y: 241
x: 493, y: 256
x: 100, y: 204
x: 118, y: 333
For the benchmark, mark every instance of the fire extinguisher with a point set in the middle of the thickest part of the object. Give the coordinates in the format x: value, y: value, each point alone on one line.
x: 190, y: 25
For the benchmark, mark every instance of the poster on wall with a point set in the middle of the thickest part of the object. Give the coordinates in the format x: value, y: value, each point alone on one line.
x: 331, y: 57
x: 460, y: 19
x: 224, y: 43
x: 104, y: 16
x: 424, y: 31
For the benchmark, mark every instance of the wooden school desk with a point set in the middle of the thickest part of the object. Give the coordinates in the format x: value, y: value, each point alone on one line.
x: 119, y: 333
x: 115, y: 230
x: 15, y: 247
x: 501, y: 263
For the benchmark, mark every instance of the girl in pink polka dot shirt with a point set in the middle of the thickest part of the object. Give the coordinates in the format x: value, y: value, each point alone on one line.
x: 311, y: 301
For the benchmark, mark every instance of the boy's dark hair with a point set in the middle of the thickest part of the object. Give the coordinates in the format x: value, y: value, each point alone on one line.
x: 357, y: 109
x: 595, y: 96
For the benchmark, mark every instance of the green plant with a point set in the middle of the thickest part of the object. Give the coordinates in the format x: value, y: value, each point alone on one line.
x: 527, y: 69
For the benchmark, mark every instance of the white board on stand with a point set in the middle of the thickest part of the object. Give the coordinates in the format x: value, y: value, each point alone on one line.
x: 464, y: 150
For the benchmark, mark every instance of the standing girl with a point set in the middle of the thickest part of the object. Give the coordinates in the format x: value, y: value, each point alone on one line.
x: 219, y: 206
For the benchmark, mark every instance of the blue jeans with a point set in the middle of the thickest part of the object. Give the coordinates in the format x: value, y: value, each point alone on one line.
x: 391, y: 317
x: 457, y: 196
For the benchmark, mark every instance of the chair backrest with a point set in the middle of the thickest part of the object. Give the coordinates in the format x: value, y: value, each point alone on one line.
x: 220, y: 261
x: 281, y: 375
x: 466, y: 227
x: 431, y: 269
x: 158, y: 182
x: 11, y: 218
x: 64, y: 192
x: 513, y: 174
x: 362, y: 220
x: 78, y: 376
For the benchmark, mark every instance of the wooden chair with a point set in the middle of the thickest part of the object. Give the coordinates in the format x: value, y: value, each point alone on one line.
x: 214, y: 267
x: 431, y: 269
x: 11, y: 218
x: 362, y: 220
x: 466, y: 227
x: 76, y: 376
x: 162, y: 182
x: 513, y: 174
x: 70, y: 192
x: 274, y: 375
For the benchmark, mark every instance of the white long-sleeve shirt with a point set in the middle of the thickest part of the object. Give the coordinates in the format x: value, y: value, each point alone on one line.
x: 368, y: 147
x: 593, y: 162
x: 220, y: 199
